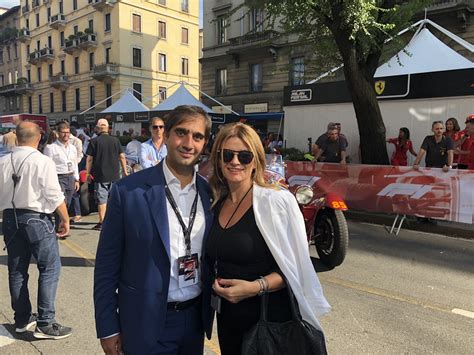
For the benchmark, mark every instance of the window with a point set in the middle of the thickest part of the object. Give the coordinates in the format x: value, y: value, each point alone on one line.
x: 27, y: 23
x: 185, y: 5
x: 61, y: 7
x: 137, y: 23
x: 137, y: 91
x: 38, y: 45
x: 161, y: 29
x: 51, y: 102
x: 63, y: 101
x: 74, y: 4
x: 50, y: 42
x: 161, y: 62
x: 15, y: 48
x: 91, y: 96
x: 107, y: 55
x: 184, y: 66
x: 76, y: 29
x: 221, y: 29
x: 28, y: 75
x: 8, y: 53
x: 1, y: 56
x: 162, y: 91
x: 40, y: 103
x: 256, y: 77
x: 30, y: 104
x: 63, y: 67
x: 107, y: 23
x: 91, y: 25
x: 78, y: 99
x: 27, y: 50
x: 297, y: 71
x: 108, y: 94
x: 162, y: 2
x: 61, y: 38
x: 221, y: 81
x: 256, y: 20
x: 2, y: 80
x: 137, y: 57
x: 38, y: 73
x: 91, y: 61
x: 50, y: 70
x: 184, y: 35
x: 37, y: 20
x: 76, y: 65
x: 48, y: 14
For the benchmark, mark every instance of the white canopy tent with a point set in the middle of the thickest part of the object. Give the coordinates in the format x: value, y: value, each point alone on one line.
x: 180, y: 97
x: 127, y: 103
x: 424, y: 54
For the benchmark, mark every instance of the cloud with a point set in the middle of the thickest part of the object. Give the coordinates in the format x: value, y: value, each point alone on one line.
x: 9, y: 3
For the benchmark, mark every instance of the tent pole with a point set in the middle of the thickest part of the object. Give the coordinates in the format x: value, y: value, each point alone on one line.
x: 151, y: 98
x: 90, y: 108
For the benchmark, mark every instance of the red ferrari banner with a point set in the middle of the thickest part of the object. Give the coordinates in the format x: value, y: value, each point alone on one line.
x: 427, y: 192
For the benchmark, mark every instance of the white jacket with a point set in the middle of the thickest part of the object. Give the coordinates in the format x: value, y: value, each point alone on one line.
x: 281, y: 223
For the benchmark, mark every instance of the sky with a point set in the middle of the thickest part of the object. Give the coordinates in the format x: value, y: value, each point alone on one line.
x: 10, y: 3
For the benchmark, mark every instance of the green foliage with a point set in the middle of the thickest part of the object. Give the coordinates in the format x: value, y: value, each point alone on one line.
x: 8, y: 33
x: 88, y: 31
x: 292, y: 154
x: 21, y: 80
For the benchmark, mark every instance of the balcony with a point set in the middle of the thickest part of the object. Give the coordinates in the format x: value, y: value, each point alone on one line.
x: 105, y: 72
x: 24, y: 35
x: 71, y: 46
x: 25, y: 9
x: 59, y: 81
x: 443, y: 4
x: 102, y: 5
x: 35, y: 3
x: 45, y: 55
x: 88, y: 41
x: 58, y: 21
x: 33, y: 58
x: 16, y: 89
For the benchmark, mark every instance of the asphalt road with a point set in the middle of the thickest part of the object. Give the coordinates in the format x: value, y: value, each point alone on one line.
x: 407, y: 294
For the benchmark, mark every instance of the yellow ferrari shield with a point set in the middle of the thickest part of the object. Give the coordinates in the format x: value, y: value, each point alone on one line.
x: 379, y: 87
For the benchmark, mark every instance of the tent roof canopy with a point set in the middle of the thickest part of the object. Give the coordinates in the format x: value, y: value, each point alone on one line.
x: 180, y: 97
x: 424, y: 54
x: 127, y: 103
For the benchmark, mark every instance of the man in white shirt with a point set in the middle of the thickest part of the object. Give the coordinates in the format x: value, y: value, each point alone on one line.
x: 150, y: 250
x: 64, y: 155
x: 75, y: 206
x: 29, y: 194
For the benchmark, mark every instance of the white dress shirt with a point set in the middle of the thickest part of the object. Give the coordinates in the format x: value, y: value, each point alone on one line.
x: 65, y: 158
x: 184, y: 199
x: 77, y: 143
x: 38, y: 188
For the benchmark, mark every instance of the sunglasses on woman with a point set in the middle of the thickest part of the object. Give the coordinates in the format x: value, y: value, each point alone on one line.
x: 157, y: 127
x: 244, y: 156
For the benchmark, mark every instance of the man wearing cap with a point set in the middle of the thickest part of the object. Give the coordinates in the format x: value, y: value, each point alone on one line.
x: 104, y: 158
x: 466, y: 148
x: 465, y: 144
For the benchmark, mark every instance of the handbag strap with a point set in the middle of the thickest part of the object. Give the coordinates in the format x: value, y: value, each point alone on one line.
x: 295, y: 313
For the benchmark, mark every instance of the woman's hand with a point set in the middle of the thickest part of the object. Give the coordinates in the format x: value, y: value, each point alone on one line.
x: 234, y: 290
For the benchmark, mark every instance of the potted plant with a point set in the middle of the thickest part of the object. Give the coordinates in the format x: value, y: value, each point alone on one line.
x: 21, y: 80
x: 88, y: 31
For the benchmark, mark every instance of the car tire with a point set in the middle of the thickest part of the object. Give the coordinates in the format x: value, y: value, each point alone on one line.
x: 332, y: 239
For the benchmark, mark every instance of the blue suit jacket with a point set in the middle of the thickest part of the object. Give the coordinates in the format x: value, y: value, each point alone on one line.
x: 133, y: 257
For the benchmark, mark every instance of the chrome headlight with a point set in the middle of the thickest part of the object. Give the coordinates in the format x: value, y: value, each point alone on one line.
x: 304, y: 194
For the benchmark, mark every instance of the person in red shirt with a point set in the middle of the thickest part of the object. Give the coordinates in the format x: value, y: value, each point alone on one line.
x: 465, y: 145
x: 402, y: 144
x: 453, y: 131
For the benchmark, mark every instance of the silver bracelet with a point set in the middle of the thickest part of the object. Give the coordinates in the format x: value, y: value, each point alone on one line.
x: 263, y: 285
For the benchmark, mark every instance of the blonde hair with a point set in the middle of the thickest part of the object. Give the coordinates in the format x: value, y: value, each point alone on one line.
x: 251, y: 139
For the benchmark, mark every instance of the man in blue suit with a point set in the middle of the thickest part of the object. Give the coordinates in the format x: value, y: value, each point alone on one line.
x: 148, y: 275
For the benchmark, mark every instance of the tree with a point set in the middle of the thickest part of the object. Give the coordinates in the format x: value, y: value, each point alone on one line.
x: 357, y: 31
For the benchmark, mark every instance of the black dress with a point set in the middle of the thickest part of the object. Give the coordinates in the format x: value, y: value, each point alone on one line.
x: 242, y: 253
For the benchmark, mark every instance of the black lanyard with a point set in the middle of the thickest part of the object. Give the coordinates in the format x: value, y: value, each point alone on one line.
x: 186, y: 230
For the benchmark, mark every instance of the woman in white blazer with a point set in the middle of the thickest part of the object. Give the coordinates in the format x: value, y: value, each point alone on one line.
x: 258, y: 235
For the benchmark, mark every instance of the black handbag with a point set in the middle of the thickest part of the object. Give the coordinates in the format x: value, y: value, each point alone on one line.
x: 293, y: 337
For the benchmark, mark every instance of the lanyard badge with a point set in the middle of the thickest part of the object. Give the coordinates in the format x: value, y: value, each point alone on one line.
x: 188, y: 265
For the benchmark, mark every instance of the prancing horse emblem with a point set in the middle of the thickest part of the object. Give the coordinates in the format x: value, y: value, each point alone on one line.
x: 379, y: 87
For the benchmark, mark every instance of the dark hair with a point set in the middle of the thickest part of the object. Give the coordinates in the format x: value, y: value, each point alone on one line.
x: 62, y: 125
x: 154, y: 118
x: 185, y: 112
x: 436, y: 122
x: 455, y: 124
x: 406, y: 133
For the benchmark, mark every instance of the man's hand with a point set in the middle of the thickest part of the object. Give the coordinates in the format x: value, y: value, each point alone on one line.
x: 63, y: 230
x: 446, y: 168
x: 416, y: 167
x: 343, y: 162
x: 76, y: 185
x: 112, y: 345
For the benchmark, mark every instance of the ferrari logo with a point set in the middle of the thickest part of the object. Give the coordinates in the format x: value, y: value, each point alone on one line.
x: 379, y: 87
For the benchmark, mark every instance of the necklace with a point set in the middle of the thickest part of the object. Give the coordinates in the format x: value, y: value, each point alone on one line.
x: 236, y: 208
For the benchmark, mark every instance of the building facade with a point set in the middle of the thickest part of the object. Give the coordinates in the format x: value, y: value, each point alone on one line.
x: 78, y: 53
x: 11, y: 90
x: 245, y: 66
